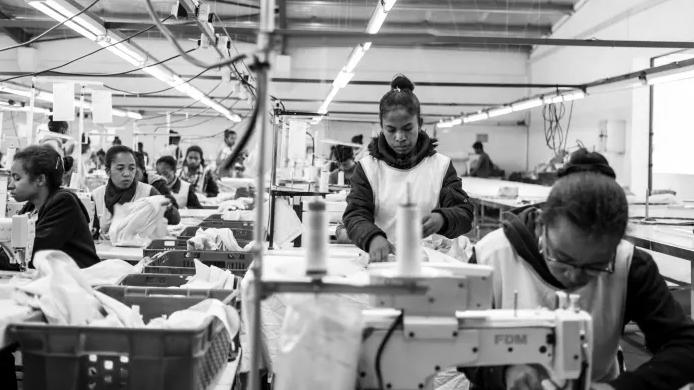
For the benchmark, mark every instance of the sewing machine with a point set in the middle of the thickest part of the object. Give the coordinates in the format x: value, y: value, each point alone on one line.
x: 408, y: 339
x: 17, y: 238
x: 13, y: 207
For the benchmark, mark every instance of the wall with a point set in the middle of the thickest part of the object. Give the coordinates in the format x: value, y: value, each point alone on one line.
x: 619, y: 20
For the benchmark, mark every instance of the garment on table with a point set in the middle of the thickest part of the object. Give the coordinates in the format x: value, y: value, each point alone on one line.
x: 160, y: 184
x: 201, y: 179
x: 213, y: 239
x: 62, y: 223
x: 212, y: 278
x: 378, y: 186
x: 184, y: 193
x: 136, y: 223
x: 107, y: 196
x: 636, y: 283
x: 348, y: 175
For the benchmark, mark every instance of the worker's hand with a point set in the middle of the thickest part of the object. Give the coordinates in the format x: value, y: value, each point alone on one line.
x: 379, y: 249
x: 431, y: 224
x: 525, y: 377
x: 167, y: 203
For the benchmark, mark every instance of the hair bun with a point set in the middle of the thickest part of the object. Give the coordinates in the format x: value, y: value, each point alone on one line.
x: 584, y: 161
x: 68, y: 162
x: 402, y: 82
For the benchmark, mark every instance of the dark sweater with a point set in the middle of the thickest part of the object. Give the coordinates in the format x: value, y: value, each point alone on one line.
x: 669, y: 333
x: 63, y: 224
x: 454, y: 204
x: 193, y: 201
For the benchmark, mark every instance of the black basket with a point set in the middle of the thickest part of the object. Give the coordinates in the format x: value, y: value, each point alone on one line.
x: 243, y: 234
x: 176, y: 244
x: 181, y: 262
x: 59, y: 357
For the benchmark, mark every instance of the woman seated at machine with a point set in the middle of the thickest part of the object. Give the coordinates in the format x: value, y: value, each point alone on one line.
x: 123, y: 187
x: 62, y: 221
x: 153, y: 179
x: 195, y: 173
x: 403, y: 155
x: 184, y: 192
x: 575, y: 243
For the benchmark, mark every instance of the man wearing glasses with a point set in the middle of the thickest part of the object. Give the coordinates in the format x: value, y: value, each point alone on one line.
x: 574, y: 243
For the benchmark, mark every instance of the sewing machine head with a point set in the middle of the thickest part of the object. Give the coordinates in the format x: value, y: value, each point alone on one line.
x: 17, y: 236
x: 86, y: 199
x: 451, y: 326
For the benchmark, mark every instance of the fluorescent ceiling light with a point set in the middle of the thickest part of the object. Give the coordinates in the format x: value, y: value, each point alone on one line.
x: 354, y: 58
x: 43, y: 7
x: 377, y: 20
x: 17, y: 92
x: 575, y: 95
x: 476, y: 117
x: 69, y: 10
x: 343, y: 78
x: 527, y: 104
x: 615, y: 86
x: 500, y: 111
x: 388, y: 4
x: 669, y: 76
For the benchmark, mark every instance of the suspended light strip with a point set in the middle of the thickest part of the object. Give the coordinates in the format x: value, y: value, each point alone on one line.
x: 345, y: 76
x: 93, y: 29
x: 476, y: 117
x: 500, y: 111
x: 669, y: 76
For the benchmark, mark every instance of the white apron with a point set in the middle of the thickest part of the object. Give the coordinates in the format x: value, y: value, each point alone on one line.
x: 142, y: 191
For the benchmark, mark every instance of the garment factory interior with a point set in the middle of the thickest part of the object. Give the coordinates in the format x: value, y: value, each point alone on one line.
x: 341, y: 194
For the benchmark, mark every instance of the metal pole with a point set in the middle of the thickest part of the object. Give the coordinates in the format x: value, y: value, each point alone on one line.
x: 649, y: 188
x: 267, y: 25
x: 78, y: 142
x: 30, y: 114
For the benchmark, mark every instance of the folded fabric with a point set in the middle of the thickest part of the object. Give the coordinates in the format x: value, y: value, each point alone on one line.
x: 137, y: 223
x: 213, y: 239
x: 239, y: 215
x: 109, y: 272
x: 211, y: 278
x: 235, y: 204
x: 65, y: 297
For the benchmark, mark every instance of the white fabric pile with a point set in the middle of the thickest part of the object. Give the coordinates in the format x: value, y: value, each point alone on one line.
x: 213, y: 239
x: 235, y: 204
x: 211, y: 278
x: 103, y: 273
x: 65, y: 296
x: 137, y: 223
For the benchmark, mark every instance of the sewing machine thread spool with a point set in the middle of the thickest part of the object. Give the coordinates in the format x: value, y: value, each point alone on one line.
x: 409, y: 238
x: 340, y: 178
x: 324, y: 179
x: 316, y: 239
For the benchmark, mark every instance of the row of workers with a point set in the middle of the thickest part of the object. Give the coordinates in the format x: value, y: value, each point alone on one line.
x: 574, y: 242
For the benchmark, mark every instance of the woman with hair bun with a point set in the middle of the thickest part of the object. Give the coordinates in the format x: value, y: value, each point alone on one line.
x: 62, y: 221
x: 402, y: 155
x: 575, y: 243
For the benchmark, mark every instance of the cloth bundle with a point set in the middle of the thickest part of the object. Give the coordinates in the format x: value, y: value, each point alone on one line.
x: 211, y: 278
x: 137, y: 223
x: 214, y: 239
x: 235, y: 204
x: 65, y: 296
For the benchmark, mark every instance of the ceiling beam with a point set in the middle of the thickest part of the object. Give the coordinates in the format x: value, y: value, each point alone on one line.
x: 18, y: 35
x: 515, y: 7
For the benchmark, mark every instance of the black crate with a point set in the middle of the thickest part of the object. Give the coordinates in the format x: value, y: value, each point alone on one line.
x: 181, y: 262
x: 176, y: 244
x: 243, y: 234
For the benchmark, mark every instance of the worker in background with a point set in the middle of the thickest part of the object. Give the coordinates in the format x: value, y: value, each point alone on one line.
x: 116, y: 141
x: 225, y: 152
x: 123, y: 187
x: 575, y: 243
x: 345, y: 159
x: 153, y: 179
x: 182, y: 191
x: 483, y: 167
x: 100, y: 159
x: 403, y: 155
x: 195, y: 173
x: 62, y: 221
x: 141, y: 149
x: 359, y: 152
x: 172, y: 149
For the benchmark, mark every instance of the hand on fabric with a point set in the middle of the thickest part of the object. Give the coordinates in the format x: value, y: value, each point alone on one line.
x: 167, y: 203
x: 431, y: 224
x: 525, y: 377
x: 379, y: 249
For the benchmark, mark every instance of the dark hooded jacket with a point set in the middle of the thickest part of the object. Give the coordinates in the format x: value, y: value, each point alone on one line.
x: 63, y: 224
x: 454, y: 204
x: 668, y: 331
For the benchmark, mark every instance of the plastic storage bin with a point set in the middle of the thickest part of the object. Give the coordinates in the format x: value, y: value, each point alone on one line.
x: 181, y: 262
x: 58, y: 357
x: 161, y: 280
x: 243, y: 234
x: 217, y: 218
x: 177, y: 244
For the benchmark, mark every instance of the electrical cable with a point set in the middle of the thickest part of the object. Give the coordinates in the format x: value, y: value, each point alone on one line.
x: 188, y: 106
x: 86, y: 55
x: 155, y: 92
x: 125, y: 72
x: 379, y: 353
x: 43, y: 34
x: 169, y: 36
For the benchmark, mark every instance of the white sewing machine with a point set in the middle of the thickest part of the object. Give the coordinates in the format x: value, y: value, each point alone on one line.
x: 452, y: 326
x: 17, y: 238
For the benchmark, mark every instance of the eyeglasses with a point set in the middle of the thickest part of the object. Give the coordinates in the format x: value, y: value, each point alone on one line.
x: 590, y: 269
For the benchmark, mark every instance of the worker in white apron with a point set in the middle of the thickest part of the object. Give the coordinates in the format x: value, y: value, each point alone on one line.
x: 403, y: 156
x: 574, y: 243
x: 182, y: 191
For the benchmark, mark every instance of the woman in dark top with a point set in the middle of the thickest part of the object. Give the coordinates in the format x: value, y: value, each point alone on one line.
x: 195, y: 173
x: 62, y: 220
x: 184, y: 192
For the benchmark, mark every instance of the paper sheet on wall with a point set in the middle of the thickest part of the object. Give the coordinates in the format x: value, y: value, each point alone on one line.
x: 64, y: 102
x: 126, y: 135
x: 287, y: 224
x: 102, y: 107
x: 297, y: 140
